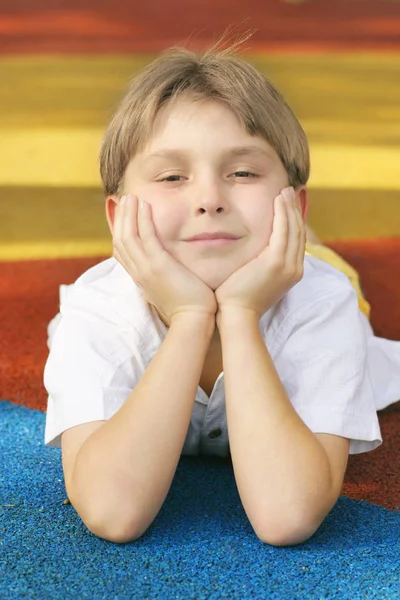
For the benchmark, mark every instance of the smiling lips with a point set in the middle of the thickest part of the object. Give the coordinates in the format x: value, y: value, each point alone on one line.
x: 217, y: 236
x: 220, y: 238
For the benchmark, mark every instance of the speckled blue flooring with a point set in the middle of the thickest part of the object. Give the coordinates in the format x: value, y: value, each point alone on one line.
x: 201, y: 546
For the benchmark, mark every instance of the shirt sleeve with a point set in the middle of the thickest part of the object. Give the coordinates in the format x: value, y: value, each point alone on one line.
x: 91, y: 369
x: 323, y: 364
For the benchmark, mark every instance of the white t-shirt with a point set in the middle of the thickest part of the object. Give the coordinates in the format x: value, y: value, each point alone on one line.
x: 336, y: 373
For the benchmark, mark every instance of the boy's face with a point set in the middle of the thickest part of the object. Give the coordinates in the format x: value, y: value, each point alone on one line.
x: 202, y: 172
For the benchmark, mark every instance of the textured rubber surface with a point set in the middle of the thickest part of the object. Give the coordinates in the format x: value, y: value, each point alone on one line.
x: 201, y: 545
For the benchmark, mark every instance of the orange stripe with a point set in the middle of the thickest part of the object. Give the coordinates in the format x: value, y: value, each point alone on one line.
x: 118, y: 26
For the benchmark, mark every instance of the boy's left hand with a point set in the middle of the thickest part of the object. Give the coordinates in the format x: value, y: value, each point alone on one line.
x: 260, y: 283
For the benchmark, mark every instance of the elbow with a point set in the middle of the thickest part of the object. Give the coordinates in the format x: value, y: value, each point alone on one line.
x: 288, y: 534
x: 118, y: 532
x: 111, y: 525
x: 289, y: 529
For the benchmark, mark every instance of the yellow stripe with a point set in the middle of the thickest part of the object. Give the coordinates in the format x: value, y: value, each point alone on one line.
x: 65, y: 249
x: 50, y: 157
x: 347, y: 99
x: 69, y: 158
x: 354, y: 167
x: 53, y: 111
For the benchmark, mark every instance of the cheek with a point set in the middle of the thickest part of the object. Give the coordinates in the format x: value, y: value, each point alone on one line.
x: 161, y: 217
x: 167, y: 220
x: 260, y: 218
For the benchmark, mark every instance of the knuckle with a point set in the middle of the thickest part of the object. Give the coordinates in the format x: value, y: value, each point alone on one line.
x: 296, y: 275
x: 278, y: 264
x: 290, y: 273
x: 298, y: 233
x: 293, y: 274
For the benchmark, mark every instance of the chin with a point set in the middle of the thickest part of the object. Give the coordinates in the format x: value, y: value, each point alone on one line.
x: 213, y: 284
x: 213, y: 280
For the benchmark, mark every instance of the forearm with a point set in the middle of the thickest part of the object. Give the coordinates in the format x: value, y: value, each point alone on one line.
x: 281, y: 469
x: 125, y: 469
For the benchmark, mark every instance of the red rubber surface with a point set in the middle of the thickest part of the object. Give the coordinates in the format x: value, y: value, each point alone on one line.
x: 29, y: 299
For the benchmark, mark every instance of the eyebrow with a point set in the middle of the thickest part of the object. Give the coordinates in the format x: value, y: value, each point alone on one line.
x: 237, y: 151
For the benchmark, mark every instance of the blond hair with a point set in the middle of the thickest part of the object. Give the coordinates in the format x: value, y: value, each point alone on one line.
x: 215, y: 75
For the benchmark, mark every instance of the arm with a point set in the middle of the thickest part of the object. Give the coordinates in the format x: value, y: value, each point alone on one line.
x: 288, y: 478
x: 123, y: 471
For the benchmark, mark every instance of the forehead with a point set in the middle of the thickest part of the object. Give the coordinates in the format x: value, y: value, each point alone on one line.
x: 202, y: 125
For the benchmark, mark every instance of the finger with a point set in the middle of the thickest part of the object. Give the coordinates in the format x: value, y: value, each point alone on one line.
x: 294, y: 235
x: 133, y: 212
x: 118, y: 218
x: 302, y: 231
x: 125, y: 249
x: 132, y: 245
x: 120, y: 251
x: 148, y: 235
x: 119, y: 258
x: 118, y: 229
x: 279, y: 236
x: 303, y: 237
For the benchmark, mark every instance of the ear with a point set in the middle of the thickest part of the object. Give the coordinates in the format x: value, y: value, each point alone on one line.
x: 302, y: 195
x: 111, y: 204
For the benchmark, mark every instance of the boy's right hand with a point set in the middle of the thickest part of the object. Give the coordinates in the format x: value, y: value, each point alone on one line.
x: 166, y: 282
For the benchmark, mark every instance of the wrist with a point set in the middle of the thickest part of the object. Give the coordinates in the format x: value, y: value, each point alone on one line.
x: 229, y: 316
x: 198, y: 321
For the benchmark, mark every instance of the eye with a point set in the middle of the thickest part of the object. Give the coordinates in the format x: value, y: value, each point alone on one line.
x: 244, y: 174
x: 171, y: 178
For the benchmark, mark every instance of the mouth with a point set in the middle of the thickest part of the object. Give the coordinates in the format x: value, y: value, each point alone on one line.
x: 216, y: 242
x: 216, y: 238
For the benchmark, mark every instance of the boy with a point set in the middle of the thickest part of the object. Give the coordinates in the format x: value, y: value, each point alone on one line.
x: 174, y: 341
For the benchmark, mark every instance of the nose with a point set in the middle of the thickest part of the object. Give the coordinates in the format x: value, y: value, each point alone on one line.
x: 210, y: 198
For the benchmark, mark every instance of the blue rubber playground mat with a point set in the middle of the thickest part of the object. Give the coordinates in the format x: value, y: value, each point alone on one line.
x: 201, y: 545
